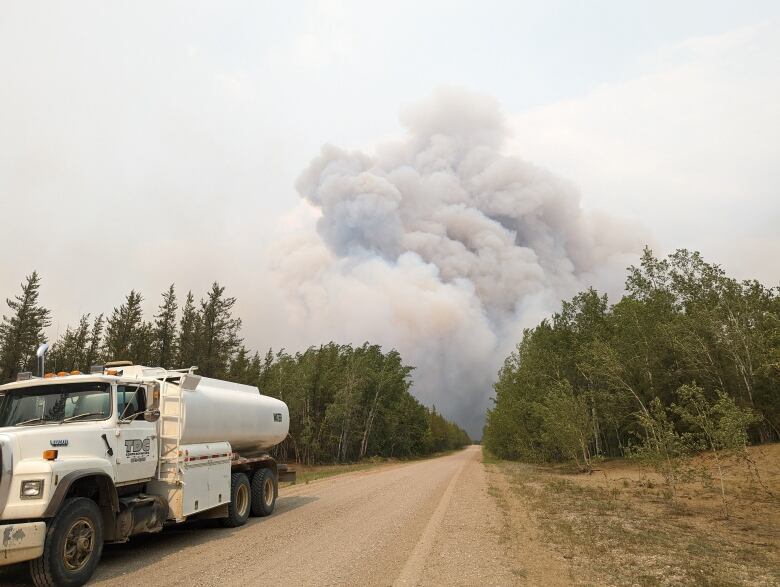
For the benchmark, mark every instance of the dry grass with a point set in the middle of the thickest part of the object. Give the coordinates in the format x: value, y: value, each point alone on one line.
x: 616, y: 527
x: 307, y: 473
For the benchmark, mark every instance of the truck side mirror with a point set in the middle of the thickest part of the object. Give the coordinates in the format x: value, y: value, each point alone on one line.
x: 152, y: 415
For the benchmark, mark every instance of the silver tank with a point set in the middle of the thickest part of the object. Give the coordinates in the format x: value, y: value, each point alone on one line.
x: 217, y: 411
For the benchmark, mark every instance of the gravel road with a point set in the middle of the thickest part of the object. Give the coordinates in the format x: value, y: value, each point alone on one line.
x: 425, y: 523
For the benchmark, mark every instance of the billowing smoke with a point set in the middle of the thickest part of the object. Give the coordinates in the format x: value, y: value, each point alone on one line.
x: 443, y: 247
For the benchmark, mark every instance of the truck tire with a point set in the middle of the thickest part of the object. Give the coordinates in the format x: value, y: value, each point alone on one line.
x: 72, y: 547
x: 264, y: 489
x: 240, y: 501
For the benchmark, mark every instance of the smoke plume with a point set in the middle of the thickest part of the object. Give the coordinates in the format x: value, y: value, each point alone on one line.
x: 444, y: 247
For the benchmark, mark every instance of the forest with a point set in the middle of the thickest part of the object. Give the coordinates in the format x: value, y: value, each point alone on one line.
x: 687, y: 360
x: 346, y: 402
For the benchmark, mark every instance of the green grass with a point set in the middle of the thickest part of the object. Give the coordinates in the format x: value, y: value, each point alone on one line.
x: 489, y: 458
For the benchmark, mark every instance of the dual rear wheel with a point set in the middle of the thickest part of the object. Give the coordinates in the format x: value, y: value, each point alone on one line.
x: 256, y: 497
x: 264, y: 489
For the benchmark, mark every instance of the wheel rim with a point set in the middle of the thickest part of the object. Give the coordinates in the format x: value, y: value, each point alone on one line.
x: 242, y: 499
x: 268, y: 491
x: 79, y: 544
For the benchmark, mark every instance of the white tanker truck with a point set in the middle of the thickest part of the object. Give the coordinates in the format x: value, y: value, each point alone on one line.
x: 127, y: 449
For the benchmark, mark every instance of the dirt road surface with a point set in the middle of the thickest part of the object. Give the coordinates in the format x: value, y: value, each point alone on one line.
x: 425, y: 523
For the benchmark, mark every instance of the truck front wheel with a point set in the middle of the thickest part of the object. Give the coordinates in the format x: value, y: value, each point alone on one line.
x: 240, y: 501
x: 73, y: 545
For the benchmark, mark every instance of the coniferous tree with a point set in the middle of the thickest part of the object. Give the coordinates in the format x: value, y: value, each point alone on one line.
x: 348, y: 403
x: 264, y: 371
x: 255, y: 370
x: 187, y: 343
x: 165, y: 330
x: 122, y: 328
x: 142, y: 345
x: 240, y: 367
x: 219, y: 332
x: 22, y: 331
x: 345, y: 402
x: 69, y: 351
x: 92, y: 355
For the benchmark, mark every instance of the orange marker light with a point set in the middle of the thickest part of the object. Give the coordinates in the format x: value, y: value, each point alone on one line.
x: 62, y: 373
x: 48, y: 376
x: 111, y: 372
x: 50, y: 455
x: 75, y: 372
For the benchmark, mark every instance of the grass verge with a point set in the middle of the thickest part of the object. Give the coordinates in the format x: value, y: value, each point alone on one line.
x: 616, y: 535
x: 308, y: 473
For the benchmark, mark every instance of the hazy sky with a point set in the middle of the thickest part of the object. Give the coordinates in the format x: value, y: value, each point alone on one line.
x: 147, y: 143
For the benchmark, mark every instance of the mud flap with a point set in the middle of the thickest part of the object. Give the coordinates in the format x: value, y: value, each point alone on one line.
x: 285, y: 474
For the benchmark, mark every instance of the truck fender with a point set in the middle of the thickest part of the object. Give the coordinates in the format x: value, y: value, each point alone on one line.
x: 106, y: 488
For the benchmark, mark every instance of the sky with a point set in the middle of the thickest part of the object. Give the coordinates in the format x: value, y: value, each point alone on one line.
x: 155, y: 142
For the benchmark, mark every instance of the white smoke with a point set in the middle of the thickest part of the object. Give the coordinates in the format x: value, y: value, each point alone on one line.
x: 445, y: 248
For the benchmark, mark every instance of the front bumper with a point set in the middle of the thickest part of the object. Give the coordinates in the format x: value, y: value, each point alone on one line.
x: 21, y: 542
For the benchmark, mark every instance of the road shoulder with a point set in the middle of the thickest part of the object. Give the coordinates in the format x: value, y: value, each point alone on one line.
x: 615, y: 527
x: 467, y: 547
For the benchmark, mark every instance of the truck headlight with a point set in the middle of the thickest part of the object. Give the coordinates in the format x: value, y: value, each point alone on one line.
x: 32, y: 489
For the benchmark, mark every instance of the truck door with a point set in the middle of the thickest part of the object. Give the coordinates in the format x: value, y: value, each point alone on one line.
x: 136, y: 457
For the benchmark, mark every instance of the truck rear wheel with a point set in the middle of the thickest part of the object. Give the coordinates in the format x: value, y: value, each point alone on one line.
x: 263, y: 492
x: 73, y: 545
x: 240, y: 501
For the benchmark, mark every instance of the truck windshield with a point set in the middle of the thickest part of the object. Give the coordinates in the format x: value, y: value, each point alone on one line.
x: 67, y: 402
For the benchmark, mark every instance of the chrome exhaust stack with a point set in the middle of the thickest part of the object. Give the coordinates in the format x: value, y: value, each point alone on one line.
x: 41, y: 354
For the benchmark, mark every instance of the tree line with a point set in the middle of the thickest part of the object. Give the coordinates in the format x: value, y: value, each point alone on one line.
x: 349, y: 402
x: 346, y: 402
x: 688, y: 358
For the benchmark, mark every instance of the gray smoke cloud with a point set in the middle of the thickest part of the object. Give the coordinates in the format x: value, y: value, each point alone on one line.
x: 444, y: 247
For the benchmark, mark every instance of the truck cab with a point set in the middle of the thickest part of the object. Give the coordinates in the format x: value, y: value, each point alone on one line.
x: 89, y: 458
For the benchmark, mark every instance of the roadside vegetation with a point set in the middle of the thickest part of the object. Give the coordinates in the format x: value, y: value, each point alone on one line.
x: 641, y: 437
x: 687, y: 361
x: 347, y: 403
x: 617, y: 526
x: 308, y: 473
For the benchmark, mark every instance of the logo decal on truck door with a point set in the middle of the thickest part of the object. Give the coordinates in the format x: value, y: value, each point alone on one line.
x: 277, y: 417
x: 137, y: 450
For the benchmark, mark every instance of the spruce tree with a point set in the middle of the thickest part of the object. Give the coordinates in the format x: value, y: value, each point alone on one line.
x: 69, y: 351
x: 142, y: 345
x: 240, y: 366
x: 122, y: 327
x: 219, y: 332
x: 189, y: 334
x: 165, y: 330
x: 265, y: 370
x: 92, y: 355
x: 22, y: 331
x: 255, y: 369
